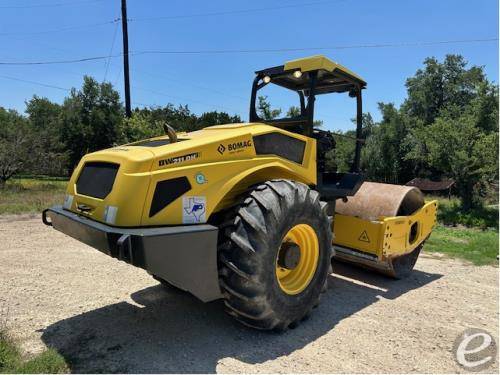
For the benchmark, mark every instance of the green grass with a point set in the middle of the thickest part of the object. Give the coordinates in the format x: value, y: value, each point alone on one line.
x: 450, y: 213
x: 472, y: 235
x: 11, y: 360
x: 475, y: 245
x: 31, y: 195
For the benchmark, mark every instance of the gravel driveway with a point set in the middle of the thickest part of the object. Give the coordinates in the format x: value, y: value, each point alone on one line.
x: 106, y: 316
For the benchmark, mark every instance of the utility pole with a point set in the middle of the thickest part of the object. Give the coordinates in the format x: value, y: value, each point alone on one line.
x: 126, y: 74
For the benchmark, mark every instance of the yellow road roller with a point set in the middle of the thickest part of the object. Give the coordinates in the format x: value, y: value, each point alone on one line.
x: 248, y: 213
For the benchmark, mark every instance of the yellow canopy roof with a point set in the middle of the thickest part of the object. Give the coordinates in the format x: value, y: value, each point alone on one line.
x: 320, y: 62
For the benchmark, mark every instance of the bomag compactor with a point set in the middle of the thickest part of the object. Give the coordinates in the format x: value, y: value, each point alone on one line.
x: 248, y: 213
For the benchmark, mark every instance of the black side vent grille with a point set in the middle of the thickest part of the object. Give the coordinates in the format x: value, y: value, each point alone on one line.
x: 97, y: 179
x: 168, y: 191
x: 281, y: 145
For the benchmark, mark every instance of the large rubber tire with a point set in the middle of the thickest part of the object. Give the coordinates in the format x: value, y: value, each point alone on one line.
x: 402, y: 267
x: 249, y: 242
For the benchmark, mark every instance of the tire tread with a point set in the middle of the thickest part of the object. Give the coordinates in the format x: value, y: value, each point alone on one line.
x: 244, y: 296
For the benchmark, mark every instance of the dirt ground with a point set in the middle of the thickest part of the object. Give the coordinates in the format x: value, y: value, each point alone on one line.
x: 106, y: 316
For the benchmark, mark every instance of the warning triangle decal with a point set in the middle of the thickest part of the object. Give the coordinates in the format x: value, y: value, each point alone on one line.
x: 364, y: 237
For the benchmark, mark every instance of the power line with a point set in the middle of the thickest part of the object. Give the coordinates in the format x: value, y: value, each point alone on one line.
x: 115, y: 81
x: 244, y: 51
x: 355, y: 46
x: 35, y: 83
x: 229, y: 12
x: 55, y: 62
x: 149, y: 18
x: 51, y: 5
x: 110, y: 52
x: 107, y: 64
x: 221, y: 13
x: 143, y: 104
x: 181, y: 82
x: 62, y: 29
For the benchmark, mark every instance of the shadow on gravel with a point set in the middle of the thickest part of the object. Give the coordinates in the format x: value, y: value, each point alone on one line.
x: 171, y: 331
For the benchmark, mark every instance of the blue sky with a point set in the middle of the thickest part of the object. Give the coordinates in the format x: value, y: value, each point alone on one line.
x: 223, y: 81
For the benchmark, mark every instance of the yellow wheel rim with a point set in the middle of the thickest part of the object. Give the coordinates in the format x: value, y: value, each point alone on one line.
x: 293, y: 281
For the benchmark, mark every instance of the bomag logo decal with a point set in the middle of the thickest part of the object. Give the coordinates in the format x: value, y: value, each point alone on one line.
x: 179, y: 159
x: 221, y: 149
x: 234, y: 147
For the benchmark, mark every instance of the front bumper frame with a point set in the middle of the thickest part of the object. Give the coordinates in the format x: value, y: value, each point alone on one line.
x: 185, y: 256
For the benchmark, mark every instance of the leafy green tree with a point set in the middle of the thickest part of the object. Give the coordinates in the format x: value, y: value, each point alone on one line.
x: 446, y: 127
x: 45, y: 126
x: 264, y: 109
x: 341, y: 158
x: 441, y: 85
x: 383, y: 154
x: 138, y: 127
x: 293, y: 111
x: 90, y: 119
x: 15, y: 144
x: 454, y: 132
x: 43, y: 114
x: 181, y: 118
x: 217, y: 118
x: 456, y: 145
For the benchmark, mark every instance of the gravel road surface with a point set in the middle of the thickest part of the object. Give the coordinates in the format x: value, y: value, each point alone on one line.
x: 106, y: 316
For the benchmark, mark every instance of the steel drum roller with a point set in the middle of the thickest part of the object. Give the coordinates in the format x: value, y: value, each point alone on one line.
x: 374, y: 200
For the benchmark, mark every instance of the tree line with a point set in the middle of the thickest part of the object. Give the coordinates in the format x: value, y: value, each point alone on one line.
x: 446, y: 127
x: 50, y: 138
